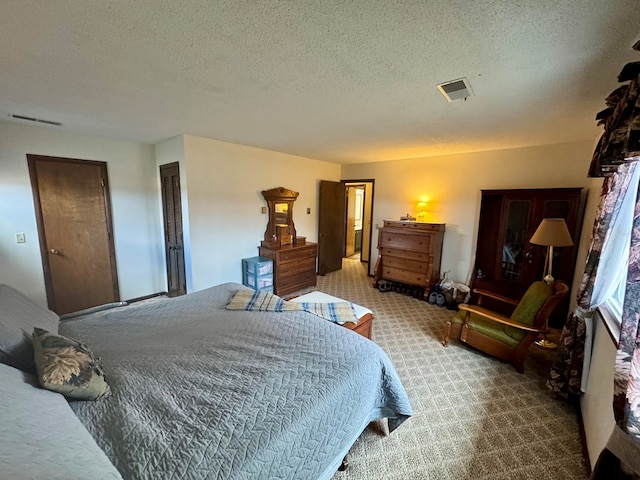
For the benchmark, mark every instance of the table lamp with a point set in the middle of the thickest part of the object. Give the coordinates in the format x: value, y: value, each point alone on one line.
x: 552, y: 232
x: 421, y: 208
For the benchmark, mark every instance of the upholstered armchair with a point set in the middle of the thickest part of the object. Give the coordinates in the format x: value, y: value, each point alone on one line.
x: 508, y: 338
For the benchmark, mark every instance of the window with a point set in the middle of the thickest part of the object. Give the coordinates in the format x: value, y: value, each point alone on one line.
x: 611, y: 278
x: 616, y: 300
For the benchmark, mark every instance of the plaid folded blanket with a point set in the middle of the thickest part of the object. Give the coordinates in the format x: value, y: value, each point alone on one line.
x: 253, y: 300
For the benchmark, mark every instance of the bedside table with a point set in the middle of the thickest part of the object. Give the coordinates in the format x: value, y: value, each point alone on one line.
x: 365, y: 316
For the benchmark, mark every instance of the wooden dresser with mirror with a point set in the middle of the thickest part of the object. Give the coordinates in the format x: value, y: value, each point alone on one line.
x: 294, y: 259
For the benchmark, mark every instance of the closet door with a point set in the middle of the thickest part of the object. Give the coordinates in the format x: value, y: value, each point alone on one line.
x: 173, y: 234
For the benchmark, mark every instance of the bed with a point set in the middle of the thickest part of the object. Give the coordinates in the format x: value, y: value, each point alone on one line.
x: 198, y: 391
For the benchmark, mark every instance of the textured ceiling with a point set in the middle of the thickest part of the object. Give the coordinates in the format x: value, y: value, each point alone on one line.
x: 347, y: 81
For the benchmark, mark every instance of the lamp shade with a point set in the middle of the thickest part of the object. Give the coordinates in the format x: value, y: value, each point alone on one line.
x: 552, y: 232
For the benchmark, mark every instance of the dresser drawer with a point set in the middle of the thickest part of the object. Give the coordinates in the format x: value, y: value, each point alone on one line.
x: 292, y: 268
x: 408, y: 254
x: 419, y: 243
x: 299, y: 254
x: 403, y: 276
x: 416, y: 226
x: 294, y: 282
x: 405, y: 264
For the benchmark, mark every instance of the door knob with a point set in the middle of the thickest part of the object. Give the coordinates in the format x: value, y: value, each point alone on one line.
x: 54, y: 251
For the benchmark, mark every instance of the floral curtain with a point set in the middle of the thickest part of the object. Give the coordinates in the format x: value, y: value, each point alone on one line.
x: 566, y: 375
x: 621, y: 457
x: 619, y: 145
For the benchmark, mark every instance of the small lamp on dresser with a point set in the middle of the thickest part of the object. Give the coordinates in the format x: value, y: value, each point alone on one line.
x: 421, y: 210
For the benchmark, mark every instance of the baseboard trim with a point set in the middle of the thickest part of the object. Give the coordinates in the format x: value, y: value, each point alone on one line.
x: 583, y: 439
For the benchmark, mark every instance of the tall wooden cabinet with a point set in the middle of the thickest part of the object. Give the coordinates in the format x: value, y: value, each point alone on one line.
x: 410, y: 253
x: 506, y: 262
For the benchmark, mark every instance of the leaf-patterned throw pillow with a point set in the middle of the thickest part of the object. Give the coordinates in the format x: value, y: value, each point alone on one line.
x: 68, y: 367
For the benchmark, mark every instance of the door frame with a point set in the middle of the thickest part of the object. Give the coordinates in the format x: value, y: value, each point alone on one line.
x: 46, y: 267
x: 353, y: 182
x: 182, y: 289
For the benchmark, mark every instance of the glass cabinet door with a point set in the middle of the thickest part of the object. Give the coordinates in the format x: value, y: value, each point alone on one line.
x: 515, y: 239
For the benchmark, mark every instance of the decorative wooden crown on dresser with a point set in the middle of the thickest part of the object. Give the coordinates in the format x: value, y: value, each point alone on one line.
x: 294, y: 259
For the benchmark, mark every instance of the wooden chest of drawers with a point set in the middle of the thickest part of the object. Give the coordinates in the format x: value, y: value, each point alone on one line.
x: 294, y: 267
x: 410, y: 253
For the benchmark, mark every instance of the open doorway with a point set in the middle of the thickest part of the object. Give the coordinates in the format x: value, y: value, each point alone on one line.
x: 338, y: 220
x: 358, y: 220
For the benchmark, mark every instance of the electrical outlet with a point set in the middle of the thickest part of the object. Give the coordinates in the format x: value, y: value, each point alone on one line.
x: 20, y: 238
x: 308, y: 211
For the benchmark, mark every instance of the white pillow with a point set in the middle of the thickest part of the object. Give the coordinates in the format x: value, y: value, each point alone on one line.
x: 41, y: 437
x: 18, y: 317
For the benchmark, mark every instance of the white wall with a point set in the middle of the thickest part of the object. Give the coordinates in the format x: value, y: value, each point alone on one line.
x: 452, y: 185
x: 225, y: 182
x: 597, y: 402
x: 131, y: 170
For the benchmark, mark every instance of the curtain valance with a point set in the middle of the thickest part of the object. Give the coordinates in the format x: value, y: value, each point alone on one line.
x: 620, y: 141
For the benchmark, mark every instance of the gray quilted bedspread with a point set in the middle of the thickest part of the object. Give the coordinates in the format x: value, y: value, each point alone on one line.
x: 201, y: 392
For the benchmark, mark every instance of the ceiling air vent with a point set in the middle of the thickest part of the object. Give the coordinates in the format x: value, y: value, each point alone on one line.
x: 455, y: 89
x: 36, y: 120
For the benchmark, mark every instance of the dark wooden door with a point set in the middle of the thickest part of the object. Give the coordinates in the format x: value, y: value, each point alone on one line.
x: 174, y: 244
x: 73, y: 212
x: 331, y: 227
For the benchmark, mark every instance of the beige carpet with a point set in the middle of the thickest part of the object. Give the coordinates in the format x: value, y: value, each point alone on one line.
x: 475, y: 417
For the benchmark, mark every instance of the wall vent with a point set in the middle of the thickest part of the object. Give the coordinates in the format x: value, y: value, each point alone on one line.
x: 36, y: 120
x: 458, y: 89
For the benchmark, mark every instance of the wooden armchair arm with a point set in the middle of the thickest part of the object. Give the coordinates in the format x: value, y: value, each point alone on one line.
x: 483, y: 312
x: 496, y: 296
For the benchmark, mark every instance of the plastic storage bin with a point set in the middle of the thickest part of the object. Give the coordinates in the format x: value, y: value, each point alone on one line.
x: 257, y: 273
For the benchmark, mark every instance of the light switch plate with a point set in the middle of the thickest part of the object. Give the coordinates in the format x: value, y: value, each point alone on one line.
x: 20, y: 238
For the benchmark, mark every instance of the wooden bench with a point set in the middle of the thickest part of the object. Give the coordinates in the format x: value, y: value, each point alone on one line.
x: 365, y: 316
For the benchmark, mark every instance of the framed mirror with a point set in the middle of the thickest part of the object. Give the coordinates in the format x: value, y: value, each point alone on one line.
x: 281, y: 211
x: 280, y: 228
